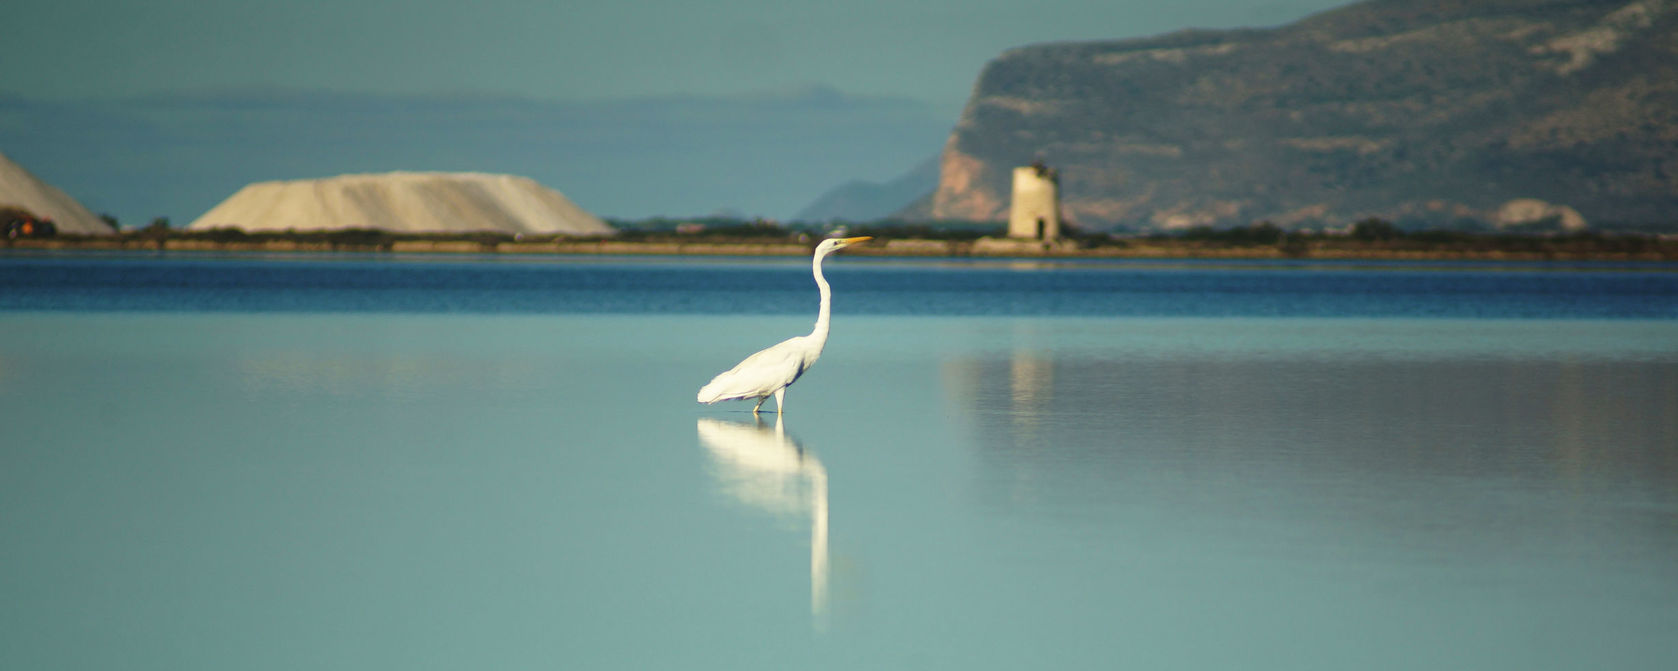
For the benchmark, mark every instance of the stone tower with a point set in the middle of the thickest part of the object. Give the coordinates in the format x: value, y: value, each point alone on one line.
x: 1035, y: 212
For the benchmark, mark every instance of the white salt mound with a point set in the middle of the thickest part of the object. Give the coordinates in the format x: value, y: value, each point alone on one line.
x: 405, y: 202
x: 20, y: 189
x: 1532, y: 210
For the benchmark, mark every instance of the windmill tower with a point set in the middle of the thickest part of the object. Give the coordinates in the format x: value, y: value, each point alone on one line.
x: 1035, y: 212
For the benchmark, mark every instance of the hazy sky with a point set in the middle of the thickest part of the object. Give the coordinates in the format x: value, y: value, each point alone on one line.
x: 929, y: 50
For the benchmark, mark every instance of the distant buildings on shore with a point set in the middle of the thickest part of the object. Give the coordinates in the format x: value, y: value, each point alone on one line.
x: 1034, y: 213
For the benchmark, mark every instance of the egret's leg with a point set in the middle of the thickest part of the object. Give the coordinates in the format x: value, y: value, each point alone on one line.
x: 759, y: 405
x: 780, y: 400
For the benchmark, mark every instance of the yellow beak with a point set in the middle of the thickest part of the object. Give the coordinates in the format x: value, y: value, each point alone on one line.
x: 851, y: 241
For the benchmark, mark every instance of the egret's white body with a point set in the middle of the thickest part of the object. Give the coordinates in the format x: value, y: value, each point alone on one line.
x: 769, y: 372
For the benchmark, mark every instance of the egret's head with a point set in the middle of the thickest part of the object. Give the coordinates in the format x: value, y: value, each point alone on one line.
x: 836, y: 244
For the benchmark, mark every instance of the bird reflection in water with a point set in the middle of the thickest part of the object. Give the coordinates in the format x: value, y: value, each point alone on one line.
x: 764, y: 468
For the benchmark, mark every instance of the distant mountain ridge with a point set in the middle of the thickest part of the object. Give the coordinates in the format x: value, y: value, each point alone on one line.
x: 177, y: 155
x: 862, y: 201
x: 1420, y: 111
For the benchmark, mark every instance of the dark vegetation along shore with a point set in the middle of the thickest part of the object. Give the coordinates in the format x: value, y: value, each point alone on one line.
x: 1369, y: 239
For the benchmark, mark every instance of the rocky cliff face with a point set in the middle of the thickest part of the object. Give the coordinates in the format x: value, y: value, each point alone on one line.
x: 1420, y: 111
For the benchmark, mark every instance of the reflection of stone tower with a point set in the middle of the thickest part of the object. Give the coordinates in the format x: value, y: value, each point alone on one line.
x: 1035, y: 213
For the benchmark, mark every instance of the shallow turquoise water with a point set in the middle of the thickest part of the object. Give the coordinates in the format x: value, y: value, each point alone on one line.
x: 211, y: 490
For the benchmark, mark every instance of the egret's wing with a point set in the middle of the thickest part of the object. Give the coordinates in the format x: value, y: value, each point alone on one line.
x: 760, y: 374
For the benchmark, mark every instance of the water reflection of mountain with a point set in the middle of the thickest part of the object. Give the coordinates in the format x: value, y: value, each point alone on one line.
x: 765, y: 468
x: 1075, y: 425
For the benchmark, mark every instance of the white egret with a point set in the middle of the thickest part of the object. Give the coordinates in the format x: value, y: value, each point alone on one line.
x: 771, y: 370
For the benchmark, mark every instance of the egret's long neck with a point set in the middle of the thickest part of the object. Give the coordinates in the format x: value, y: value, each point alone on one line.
x: 822, y: 316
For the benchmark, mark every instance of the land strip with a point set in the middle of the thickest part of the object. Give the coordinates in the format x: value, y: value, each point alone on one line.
x: 1492, y: 248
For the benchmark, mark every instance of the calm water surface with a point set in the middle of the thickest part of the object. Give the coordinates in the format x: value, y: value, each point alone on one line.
x: 364, y: 463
